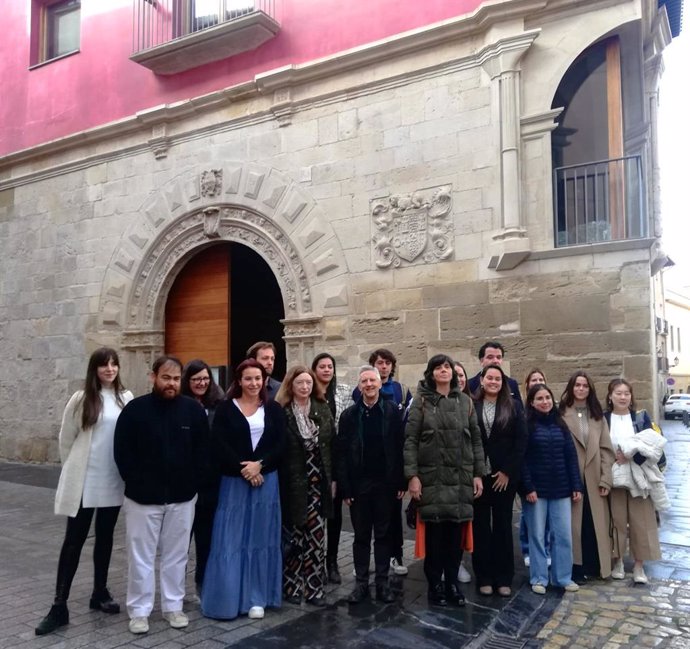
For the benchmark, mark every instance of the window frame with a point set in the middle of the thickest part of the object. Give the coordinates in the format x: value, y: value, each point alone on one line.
x: 43, y: 26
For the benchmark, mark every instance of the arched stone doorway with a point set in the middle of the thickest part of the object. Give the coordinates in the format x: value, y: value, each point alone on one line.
x: 246, y: 204
x: 223, y: 300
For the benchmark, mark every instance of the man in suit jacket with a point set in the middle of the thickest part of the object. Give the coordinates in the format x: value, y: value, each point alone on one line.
x: 492, y: 353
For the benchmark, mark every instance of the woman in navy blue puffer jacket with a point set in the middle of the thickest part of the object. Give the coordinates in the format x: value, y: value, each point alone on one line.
x: 550, y: 480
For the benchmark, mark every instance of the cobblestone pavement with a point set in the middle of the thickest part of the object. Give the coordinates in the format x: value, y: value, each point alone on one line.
x: 603, y: 615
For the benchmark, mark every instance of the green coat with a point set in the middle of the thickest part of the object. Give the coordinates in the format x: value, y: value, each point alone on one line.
x: 293, y: 470
x: 443, y: 448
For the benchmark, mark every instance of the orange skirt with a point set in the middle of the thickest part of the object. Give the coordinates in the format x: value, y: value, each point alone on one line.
x: 420, y: 543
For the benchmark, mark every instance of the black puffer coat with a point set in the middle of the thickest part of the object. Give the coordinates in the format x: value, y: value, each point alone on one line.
x: 443, y: 448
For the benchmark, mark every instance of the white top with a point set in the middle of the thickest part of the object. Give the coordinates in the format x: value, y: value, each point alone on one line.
x: 621, y: 428
x: 256, y: 423
x: 103, y: 486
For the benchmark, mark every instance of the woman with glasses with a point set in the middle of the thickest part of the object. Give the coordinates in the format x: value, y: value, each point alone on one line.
x: 198, y: 383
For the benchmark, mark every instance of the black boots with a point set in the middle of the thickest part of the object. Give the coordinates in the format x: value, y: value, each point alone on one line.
x: 437, y: 595
x: 359, y: 593
x: 454, y: 595
x: 384, y: 594
x: 103, y: 601
x: 333, y: 572
x: 57, y: 616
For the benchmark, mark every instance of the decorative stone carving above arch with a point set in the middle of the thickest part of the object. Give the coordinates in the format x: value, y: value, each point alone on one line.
x: 244, y: 203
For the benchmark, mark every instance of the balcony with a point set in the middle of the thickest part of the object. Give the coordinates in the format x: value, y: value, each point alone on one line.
x: 172, y: 36
x: 599, y: 201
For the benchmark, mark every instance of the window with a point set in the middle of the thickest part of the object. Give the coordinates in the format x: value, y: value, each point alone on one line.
x: 61, y: 28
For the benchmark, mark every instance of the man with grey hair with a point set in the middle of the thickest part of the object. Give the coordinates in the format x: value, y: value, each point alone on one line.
x: 369, y: 471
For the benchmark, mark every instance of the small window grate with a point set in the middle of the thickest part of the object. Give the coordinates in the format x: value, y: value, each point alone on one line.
x: 503, y: 642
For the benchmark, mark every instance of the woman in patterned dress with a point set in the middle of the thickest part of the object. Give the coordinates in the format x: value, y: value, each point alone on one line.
x: 305, y: 478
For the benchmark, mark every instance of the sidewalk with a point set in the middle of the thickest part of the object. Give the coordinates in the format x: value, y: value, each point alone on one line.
x: 605, y: 615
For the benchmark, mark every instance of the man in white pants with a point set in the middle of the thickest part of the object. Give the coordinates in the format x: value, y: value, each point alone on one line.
x: 160, y: 445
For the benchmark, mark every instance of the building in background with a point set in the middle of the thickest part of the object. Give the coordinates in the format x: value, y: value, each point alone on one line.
x: 678, y: 339
x: 194, y: 175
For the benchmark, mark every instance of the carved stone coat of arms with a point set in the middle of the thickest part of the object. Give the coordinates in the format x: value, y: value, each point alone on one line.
x: 412, y: 225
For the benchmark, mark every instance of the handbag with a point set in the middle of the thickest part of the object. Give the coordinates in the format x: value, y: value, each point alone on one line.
x: 411, y: 514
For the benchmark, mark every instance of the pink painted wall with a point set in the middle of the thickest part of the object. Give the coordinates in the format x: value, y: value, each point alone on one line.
x: 100, y: 84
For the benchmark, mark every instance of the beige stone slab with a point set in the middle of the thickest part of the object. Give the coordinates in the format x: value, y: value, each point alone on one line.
x: 577, y: 313
x: 460, y: 294
x: 484, y: 321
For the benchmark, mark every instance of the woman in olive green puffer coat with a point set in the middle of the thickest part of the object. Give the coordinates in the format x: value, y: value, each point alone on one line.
x: 444, y: 462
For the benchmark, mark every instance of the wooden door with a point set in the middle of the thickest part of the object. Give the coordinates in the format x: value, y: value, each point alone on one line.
x: 197, y: 313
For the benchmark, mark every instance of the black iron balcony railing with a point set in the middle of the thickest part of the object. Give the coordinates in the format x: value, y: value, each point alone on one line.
x: 599, y: 201
x: 160, y: 21
x: 171, y: 36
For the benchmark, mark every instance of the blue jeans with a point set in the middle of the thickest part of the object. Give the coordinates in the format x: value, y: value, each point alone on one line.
x: 524, y: 538
x: 557, y: 513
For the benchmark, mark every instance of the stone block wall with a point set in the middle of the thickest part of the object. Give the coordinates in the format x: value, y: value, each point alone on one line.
x: 418, y: 140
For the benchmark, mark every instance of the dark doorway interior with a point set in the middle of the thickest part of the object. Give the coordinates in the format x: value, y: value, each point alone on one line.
x: 225, y: 299
x: 256, y: 306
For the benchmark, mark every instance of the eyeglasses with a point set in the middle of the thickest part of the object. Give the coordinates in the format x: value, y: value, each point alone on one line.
x: 204, y: 379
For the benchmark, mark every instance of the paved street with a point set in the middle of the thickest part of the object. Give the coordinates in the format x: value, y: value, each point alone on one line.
x: 603, y: 615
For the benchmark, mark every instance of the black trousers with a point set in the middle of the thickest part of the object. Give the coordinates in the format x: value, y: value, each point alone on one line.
x: 75, y: 537
x: 395, y: 530
x: 492, y: 558
x: 334, y: 526
x: 202, y: 530
x: 590, y: 550
x: 369, y: 511
x: 443, y: 552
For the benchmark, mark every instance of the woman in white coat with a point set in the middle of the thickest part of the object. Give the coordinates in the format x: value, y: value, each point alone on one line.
x: 89, y: 482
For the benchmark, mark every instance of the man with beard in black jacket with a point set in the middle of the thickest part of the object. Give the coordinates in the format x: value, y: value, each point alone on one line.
x: 160, y: 446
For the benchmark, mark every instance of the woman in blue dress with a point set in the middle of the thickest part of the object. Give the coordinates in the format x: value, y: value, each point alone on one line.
x: 244, y: 570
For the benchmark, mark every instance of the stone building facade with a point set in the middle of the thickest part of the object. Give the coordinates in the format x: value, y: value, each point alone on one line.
x: 402, y: 194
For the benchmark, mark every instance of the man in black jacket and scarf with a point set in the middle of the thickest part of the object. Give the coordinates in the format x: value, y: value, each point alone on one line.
x: 160, y: 443
x: 370, y: 476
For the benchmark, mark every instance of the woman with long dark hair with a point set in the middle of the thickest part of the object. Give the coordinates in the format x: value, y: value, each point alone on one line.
x: 89, y: 483
x: 550, y: 480
x: 305, y: 485
x: 634, y: 517
x: 244, y: 569
x: 338, y: 397
x: 198, y: 382
x: 504, y: 437
x: 444, y: 462
x: 591, y: 521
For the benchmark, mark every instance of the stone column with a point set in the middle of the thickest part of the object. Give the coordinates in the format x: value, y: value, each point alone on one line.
x: 301, y: 334
x: 501, y: 62
x: 139, y: 349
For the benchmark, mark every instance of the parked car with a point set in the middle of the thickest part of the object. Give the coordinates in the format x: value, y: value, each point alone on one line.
x: 676, y: 405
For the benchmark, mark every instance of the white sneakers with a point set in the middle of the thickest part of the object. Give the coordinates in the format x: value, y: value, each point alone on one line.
x: 464, y: 577
x: 526, y: 561
x: 572, y: 587
x: 256, y: 613
x: 618, y: 571
x: 176, y: 619
x: 539, y: 589
x: 397, y: 567
x: 139, y: 625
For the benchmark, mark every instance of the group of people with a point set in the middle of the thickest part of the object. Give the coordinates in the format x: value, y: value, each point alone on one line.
x: 258, y: 477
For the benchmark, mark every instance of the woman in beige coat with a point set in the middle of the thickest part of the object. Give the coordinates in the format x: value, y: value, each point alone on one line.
x: 583, y: 414
x: 89, y: 483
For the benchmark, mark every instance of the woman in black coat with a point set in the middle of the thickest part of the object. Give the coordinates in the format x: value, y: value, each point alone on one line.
x: 504, y: 436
